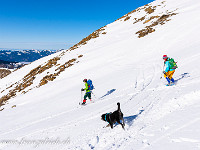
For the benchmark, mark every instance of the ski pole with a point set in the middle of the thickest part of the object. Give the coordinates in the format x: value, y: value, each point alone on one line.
x: 161, y: 76
x: 81, y: 96
x: 162, y: 71
x: 93, y: 94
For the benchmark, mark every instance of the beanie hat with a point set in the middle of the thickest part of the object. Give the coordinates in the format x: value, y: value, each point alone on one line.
x: 165, y: 56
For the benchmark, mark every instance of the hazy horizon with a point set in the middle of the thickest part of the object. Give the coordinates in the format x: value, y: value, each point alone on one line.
x: 34, y: 45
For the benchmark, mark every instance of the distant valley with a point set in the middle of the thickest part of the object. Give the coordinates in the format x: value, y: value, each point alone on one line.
x: 12, y: 59
x: 23, y: 55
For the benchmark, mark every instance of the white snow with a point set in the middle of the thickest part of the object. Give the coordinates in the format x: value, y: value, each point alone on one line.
x: 125, y: 69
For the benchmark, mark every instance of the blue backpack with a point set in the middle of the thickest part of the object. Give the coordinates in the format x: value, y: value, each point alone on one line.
x: 91, y: 87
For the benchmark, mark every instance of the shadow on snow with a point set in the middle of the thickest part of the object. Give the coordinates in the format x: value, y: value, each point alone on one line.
x: 129, y: 120
x: 108, y: 93
x: 184, y: 75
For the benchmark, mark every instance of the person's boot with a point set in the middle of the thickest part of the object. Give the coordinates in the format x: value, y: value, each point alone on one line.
x: 168, y: 84
x: 84, y: 101
x: 172, y: 80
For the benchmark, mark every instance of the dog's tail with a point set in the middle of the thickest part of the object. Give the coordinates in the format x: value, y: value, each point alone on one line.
x: 118, y: 106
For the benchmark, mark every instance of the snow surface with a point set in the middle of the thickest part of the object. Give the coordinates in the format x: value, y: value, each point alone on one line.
x: 125, y: 69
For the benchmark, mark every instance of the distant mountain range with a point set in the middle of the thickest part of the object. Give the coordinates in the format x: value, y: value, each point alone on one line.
x: 23, y: 55
x: 6, y: 62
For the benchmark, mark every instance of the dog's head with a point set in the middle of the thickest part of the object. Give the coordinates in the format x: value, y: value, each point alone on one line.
x: 103, y: 117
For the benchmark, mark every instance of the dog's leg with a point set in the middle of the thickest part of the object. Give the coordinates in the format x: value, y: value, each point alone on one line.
x: 123, y: 121
x: 111, y: 125
x: 122, y: 124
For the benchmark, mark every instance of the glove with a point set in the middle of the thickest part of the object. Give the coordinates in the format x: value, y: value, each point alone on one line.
x: 82, y: 89
x: 164, y: 72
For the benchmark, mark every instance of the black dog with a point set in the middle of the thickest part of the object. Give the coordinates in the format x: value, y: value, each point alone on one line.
x: 114, y: 117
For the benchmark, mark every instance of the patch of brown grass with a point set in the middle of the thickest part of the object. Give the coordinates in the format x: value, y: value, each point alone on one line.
x: 149, y: 10
x: 60, y: 69
x: 4, y: 73
x: 140, y: 19
x: 28, y: 80
x: 47, y: 78
x: 84, y: 41
x: 151, y: 18
x: 13, y: 106
x: 80, y: 56
x: 127, y: 18
x: 149, y: 29
x: 145, y: 31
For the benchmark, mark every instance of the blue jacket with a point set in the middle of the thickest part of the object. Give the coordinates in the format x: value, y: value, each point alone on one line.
x: 168, y: 66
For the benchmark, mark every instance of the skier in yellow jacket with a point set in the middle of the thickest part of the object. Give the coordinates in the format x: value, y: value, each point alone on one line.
x: 87, y: 93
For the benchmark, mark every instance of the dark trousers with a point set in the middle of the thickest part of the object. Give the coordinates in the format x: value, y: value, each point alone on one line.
x: 88, y: 94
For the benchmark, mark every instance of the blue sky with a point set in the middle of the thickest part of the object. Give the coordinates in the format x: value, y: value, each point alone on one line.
x: 55, y: 24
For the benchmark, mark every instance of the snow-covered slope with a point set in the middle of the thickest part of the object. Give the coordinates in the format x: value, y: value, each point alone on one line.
x: 124, y: 60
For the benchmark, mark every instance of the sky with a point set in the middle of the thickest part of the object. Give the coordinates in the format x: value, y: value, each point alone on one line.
x: 56, y: 24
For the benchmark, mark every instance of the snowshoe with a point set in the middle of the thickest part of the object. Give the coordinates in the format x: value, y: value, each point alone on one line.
x: 84, y: 103
x: 170, y: 84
